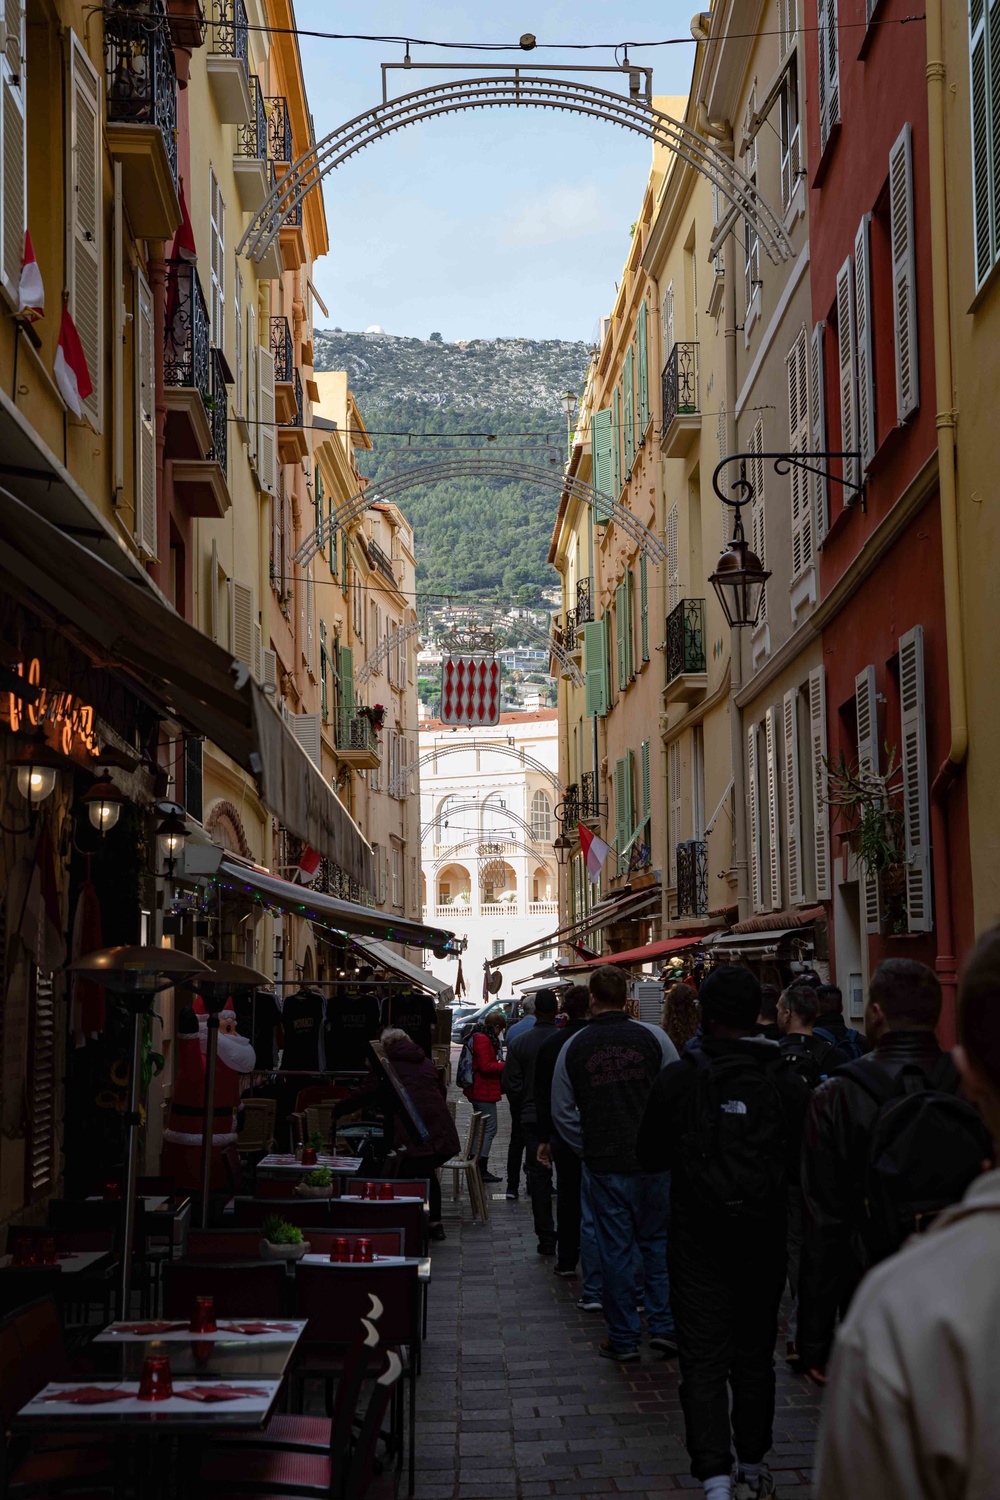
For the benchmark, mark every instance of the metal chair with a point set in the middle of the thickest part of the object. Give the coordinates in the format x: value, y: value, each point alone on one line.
x: 468, y: 1165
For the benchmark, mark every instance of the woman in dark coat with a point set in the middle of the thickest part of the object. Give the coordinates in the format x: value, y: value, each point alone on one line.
x: 427, y: 1093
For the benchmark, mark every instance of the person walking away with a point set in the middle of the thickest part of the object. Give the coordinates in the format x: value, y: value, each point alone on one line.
x: 887, y: 1144
x: 726, y: 1122
x: 830, y: 1024
x: 554, y: 1151
x: 484, y: 1091
x: 426, y: 1089
x: 681, y: 1017
x: 911, y: 1408
x: 519, y: 1085
x: 515, y: 1147
x: 600, y: 1086
x: 767, y: 1018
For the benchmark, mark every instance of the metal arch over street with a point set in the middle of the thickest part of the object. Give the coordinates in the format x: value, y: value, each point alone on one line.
x: 523, y: 90
x: 510, y: 844
x: 473, y: 806
x: 554, y: 646
x: 385, y: 648
x: 489, y: 466
x: 400, y: 785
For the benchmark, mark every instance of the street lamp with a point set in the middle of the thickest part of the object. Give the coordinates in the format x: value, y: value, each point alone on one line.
x: 562, y: 846
x: 568, y: 403
x: 36, y: 766
x: 170, y: 836
x: 739, y: 576
x: 104, y: 803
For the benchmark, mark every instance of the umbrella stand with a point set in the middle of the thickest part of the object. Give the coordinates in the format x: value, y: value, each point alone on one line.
x: 208, y: 1126
x: 133, y: 1121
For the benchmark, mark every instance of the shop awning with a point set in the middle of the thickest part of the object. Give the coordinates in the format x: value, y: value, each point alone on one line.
x: 329, y: 911
x: 645, y: 955
x: 759, y: 943
x: 628, y: 904
x: 388, y: 958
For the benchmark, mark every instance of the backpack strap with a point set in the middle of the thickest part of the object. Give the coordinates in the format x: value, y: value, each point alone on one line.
x: 875, y: 1081
x: 825, y: 1035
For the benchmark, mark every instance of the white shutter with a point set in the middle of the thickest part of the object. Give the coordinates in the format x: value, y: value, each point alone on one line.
x: 674, y: 789
x: 85, y: 218
x: 253, y: 377
x: 217, y: 261
x: 308, y: 731
x: 238, y: 337
x: 258, y: 651
x: 829, y: 69
x: 773, y: 820
x: 866, y: 704
x: 756, y: 892
x: 310, y: 626
x: 758, y: 542
x: 667, y: 314
x: 269, y: 668
x: 14, y: 198
x: 847, y: 343
x: 241, y: 622
x: 982, y: 175
x: 266, y: 438
x: 916, y: 808
x: 797, y: 369
x: 904, y: 275
x: 817, y: 423
x: 793, y: 811
x: 820, y: 781
x: 673, y: 558
x: 863, y: 327
x: 145, y: 417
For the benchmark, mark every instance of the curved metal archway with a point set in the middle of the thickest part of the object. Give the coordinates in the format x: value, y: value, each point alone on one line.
x: 385, y: 648
x: 400, y: 786
x: 490, y: 466
x: 442, y: 860
x: 526, y: 91
x: 470, y: 806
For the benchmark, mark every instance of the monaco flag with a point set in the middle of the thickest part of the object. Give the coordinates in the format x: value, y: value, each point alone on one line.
x: 70, y: 369
x: 30, y: 292
x: 307, y: 866
x: 595, y: 852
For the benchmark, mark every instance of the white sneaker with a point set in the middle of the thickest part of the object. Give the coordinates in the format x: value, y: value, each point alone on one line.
x: 762, y: 1490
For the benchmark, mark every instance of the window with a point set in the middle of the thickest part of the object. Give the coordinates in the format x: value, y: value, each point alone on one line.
x: 817, y: 756
x: 646, y: 790
x: 253, y: 383
x: 238, y: 336
x: 396, y: 865
x: 624, y: 656
x: 644, y: 605
x: 217, y: 262
x: 595, y: 658
x: 864, y: 354
x: 829, y: 70
x: 673, y: 557
x: 675, y: 794
x: 756, y: 471
x: 788, y: 129
x: 15, y: 184
x: 601, y: 438
x: 624, y: 810
x: 773, y: 817
x: 797, y: 366
x: 241, y: 622
x: 667, y: 316
x: 751, y: 242
x: 753, y: 797
x: 786, y: 24
x: 628, y: 410
x: 793, y: 813
x: 84, y: 215
x: 41, y: 1144
x: 267, y: 458
x: 904, y: 276
x: 984, y: 48
x: 324, y: 673
x: 916, y: 812
x: 616, y: 442
x: 541, y: 817
x: 498, y: 948
x: 642, y: 370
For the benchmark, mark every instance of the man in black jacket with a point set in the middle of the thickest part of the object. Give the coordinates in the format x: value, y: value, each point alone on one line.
x: 726, y: 1122
x: 553, y: 1150
x: 831, y: 1024
x: 519, y: 1087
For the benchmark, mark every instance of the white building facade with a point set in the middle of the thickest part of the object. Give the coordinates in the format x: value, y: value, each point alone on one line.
x: 487, y: 824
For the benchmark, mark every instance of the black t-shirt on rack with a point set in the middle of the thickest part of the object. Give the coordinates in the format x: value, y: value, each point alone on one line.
x: 257, y: 1018
x: 414, y: 1014
x: 302, y: 1023
x: 353, y: 1016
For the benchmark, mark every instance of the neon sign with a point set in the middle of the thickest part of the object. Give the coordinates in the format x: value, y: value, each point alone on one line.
x: 71, y: 720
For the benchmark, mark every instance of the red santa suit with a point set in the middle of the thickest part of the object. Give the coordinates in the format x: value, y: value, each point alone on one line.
x: 183, y: 1136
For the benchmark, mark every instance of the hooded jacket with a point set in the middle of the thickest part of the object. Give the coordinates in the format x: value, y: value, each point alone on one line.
x: 602, y: 1081
x: 487, y: 1066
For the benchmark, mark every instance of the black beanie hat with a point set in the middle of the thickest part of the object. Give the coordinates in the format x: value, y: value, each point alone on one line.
x: 731, y: 995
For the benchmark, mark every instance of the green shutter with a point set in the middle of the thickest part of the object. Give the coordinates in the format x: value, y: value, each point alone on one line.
x: 644, y: 605
x: 616, y: 442
x: 621, y: 620
x: 645, y: 783
x: 343, y: 562
x: 601, y: 433
x: 346, y: 677
x: 608, y: 685
x: 629, y: 414
x: 595, y: 667
x: 621, y: 821
x: 629, y: 612
x: 642, y: 355
x: 324, y: 668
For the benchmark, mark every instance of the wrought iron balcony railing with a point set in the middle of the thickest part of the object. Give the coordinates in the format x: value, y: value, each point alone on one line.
x: 571, y: 807
x: 355, y: 731
x: 219, y: 413
x: 381, y: 562
x: 251, y: 140
x: 686, y: 638
x: 569, y: 630
x: 588, y: 795
x: 680, y: 384
x: 186, y: 355
x: 692, y: 878
x: 279, y: 128
x: 282, y: 350
x: 139, y: 63
x: 230, y: 31
x: 296, y: 418
x: 584, y: 602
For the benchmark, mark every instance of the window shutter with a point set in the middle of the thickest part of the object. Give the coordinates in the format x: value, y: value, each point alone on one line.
x: 145, y: 418
x: 756, y: 890
x: 595, y: 668
x: 616, y: 442
x: 667, y: 313
x: 829, y: 69
x: 269, y: 668
x: 916, y: 810
x: 621, y: 829
x: 628, y: 418
x: 674, y: 791
x: 982, y: 114
x: 642, y: 360
x: 867, y: 712
x: 241, y: 622
x: 817, y: 756
x: 758, y: 540
x: 773, y: 818
x: 904, y: 274
x: 644, y: 605
x: 42, y: 1085
x: 847, y: 343
x: 793, y: 813
x: 324, y: 673
x: 629, y: 624
x: 14, y: 198
x: 213, y: 591
x: 673, y: 558
x: 310, y: 623
x: 797, y: 366
x: 266, y: 439
x: 258, y: 650
x: 817, y: 421
x: 346, y: 670
x: 253, y: 381
x: 863, y: 326
x: 600, y: 438
x: 238, y: 337
x: 307, y: 730
x: 621, y: 616
x: 786, y: 24
x: 644, y: 759
x: 85, y: 219
x: 217, y: 261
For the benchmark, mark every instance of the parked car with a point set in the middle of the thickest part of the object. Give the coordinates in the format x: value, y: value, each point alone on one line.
x: 462, y: 1027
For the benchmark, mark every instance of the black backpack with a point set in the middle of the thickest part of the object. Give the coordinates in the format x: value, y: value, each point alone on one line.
x: 926, y: 1146
x: 808, y: 1065
x: 733, y: 1152
x: 849, y: 1043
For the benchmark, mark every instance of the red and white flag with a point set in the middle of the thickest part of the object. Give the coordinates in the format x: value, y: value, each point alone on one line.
x: 30, y: 292
x: 70, y: 369
x: 308, y: 865
x: 595, y: 852
x: 184, y: 247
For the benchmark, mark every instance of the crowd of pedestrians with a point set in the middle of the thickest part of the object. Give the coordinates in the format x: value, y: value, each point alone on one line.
x: 752, y: 1142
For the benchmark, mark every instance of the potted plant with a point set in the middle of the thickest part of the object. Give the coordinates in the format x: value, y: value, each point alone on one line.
x: 375, y: 715
x: 869, y: 807
x: 312, y: 1147
x: 317, y: 1184
x: 281, y: 1240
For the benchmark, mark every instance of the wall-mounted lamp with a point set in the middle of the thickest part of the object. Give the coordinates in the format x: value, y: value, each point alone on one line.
x: 104, y: 804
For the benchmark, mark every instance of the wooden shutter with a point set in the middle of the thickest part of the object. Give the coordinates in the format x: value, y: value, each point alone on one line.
x: 307, y: 729
x: 621, y: 821
x: 238, y: 337
x: 817, y: 426
x: 793, y: 810
x: 310, y: 592
x: 595, y: 668
x: 674, y: 794
x: 145, y: 418
x: 213, y: 591
x: 629, y: 624
x: 904, y: 274
x: 866, y: 704
x: 258, y: 650
x: 644, y: 761
x: 269, y: 668
x: 753, y: 786
x: 644, y: 605
x: 616, y: 442
x: 820, y: 781
x: 758, y: 540
x: 41, y: 1088
x: 217, y: 261
x: 346, y: 671
x: 253, y: 381
x: 642, y: 369
x: 324, y: 673
x: 241, y: 622
x: 786, y: 25
x: 773, y: 817
x: 829, y: 69
x: 916, y: 808
x: 266, y: 439
x: 797, y: 370
x: 628, y: 415
x: 621, y: 670
x: 863, y: 327
x: 983, y: 165
x: 601, y: 432
x: 673, y: 558
x: 85, y: 218
x: 847, y: 346
x: 14, y: 197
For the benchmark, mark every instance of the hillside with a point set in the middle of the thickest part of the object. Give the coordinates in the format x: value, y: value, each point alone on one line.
x: 420, y: 396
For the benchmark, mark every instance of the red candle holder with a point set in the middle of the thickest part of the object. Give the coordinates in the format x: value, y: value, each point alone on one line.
x: 23, y: 1253
x: 155, y: 1383
x: 363, y: 1251
x: 341, y: 1250
x: 204, y: 1316
x: 111, y: 1189
x: 385, y: 1190
x: 309, y: 1157
x: 49, y: 1254
x: 368, y: 1190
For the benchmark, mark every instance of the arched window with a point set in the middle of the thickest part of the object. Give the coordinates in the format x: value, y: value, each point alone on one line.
x: 541, y: 817
x: 449, y: 822
x: 496, y: 822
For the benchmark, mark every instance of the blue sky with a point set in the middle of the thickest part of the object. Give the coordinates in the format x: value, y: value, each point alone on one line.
x: 489, y: 223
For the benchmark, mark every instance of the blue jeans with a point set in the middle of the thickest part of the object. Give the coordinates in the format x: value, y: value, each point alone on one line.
x: 487, y: 1107
x: 630, y: 1210
x: 590, y: 1261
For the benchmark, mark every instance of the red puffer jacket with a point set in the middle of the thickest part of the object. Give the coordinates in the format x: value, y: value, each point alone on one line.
x: 487, y: 1065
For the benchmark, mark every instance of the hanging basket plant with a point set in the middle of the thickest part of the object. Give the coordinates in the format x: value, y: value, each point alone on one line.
x: 374, y: 714
x: 868, y: 806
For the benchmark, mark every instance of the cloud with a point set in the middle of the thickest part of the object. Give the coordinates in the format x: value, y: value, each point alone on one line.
x: 564, y: 213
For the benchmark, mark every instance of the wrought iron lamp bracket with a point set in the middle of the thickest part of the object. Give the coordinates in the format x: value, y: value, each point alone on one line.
x: 784, y: 462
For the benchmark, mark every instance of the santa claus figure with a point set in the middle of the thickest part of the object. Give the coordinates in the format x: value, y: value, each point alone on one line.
x: 183, y: 1137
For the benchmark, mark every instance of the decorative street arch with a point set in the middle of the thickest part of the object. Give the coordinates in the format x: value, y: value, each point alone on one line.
x: 386, y: 646
x: 401, y: 785
x: 455, y: 856
x: 527, y: 91
x: 449, y: 808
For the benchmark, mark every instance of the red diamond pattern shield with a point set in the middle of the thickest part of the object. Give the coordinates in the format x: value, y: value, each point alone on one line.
x: 470, y: 690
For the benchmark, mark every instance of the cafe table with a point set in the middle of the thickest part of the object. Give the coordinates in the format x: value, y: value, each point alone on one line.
x: 68, y: 1262
x: 239, y: 1348
x: 284, y: 1165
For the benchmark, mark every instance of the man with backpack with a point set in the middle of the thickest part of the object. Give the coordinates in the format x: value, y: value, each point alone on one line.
x: 831, y: 1027
x: 888, y: 1145
x: 726, y: 1122
x: 519, y: 1087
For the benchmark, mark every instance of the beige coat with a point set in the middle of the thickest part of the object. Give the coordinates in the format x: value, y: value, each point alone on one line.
x: 913, y: 1406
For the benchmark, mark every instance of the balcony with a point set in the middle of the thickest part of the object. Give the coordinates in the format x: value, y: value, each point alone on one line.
x: 283, y: 354
x: 692, y: 878
x: 381, y: 563
x: 142, y: 116
x: 229, y: 63
x: 543, y: 908
x: 357, y: 742
x: 589, y: 802
x: 202, y: 484
x: 681, y: 412
x: 569, y: 636
x: 250, y: 166
x: 187, y: 365
x: 279, y: 130
x: 292, y: 445
x: 584, y: 602
x: 571, y: 807
x: 687, y: 678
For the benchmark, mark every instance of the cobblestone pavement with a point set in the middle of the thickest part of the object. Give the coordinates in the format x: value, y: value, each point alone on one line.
x: 514, y: 1399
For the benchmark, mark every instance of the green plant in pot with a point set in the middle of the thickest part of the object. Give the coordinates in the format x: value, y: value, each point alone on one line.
x: 316, y: 1184
x: 281, y: 1240
x: 868, y: 805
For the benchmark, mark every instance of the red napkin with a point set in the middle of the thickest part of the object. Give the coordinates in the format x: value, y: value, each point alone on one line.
x: 151, y: 1328
x: 90, y: 1395
x: 210, y: 1393
x: 250, y: 1328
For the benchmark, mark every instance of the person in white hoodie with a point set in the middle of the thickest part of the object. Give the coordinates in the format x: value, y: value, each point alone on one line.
x: 914, y: 1387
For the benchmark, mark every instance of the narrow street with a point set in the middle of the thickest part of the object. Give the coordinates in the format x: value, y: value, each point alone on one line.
x: 514, y: 1399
